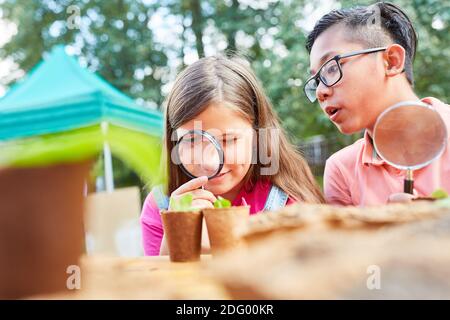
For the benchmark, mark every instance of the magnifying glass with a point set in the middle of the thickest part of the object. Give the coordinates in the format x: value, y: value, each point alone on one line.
x: 409, y: 136
x: 199, y: 154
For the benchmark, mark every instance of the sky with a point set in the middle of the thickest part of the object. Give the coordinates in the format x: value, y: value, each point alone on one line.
x: 7, y: 65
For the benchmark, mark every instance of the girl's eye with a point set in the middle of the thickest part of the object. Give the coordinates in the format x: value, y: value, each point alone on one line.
x: 229, y: 140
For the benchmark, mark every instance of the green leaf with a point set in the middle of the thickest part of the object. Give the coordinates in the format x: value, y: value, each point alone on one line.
x: 182, y: 204
x: 439, y: 194
x: 222, y: 203
x: 186, y: 202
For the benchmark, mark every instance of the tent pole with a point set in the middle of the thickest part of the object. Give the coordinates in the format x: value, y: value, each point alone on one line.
x: 107, y: 159
x: 109, y: 177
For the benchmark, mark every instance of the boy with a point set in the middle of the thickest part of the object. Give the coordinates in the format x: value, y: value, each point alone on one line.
x: 361, y: 63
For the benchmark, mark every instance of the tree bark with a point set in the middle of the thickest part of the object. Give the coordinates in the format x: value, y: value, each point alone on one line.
x: 197, y: 26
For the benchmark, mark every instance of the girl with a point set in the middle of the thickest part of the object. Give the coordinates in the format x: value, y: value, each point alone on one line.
x: 223, y: 95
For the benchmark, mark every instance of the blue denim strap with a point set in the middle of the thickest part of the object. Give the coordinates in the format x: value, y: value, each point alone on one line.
x: 276, y: 199
x: 161, y: 199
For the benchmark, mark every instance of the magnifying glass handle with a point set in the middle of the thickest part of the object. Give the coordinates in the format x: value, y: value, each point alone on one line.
x: 408, y: 185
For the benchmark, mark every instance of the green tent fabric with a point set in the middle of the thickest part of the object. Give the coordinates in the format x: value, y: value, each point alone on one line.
x: 59, y: 95
x: 140, y: 151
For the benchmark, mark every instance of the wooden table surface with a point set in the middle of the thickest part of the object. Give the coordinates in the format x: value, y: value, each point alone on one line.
x: 143, y: 278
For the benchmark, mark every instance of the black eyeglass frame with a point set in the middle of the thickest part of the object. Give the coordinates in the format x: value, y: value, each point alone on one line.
x: 337, y: 58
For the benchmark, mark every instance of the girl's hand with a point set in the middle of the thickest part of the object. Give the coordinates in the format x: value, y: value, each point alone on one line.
x: 201, y: 198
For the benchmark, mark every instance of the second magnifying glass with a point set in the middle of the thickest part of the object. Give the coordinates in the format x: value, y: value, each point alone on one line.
x: 409, y: 136
x: 199, y: 154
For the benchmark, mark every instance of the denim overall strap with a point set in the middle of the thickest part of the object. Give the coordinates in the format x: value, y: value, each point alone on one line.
x: 161, y: 199
x: 276, y: 199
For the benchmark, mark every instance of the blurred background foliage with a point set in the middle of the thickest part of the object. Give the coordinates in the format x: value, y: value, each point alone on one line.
x: 139, y: 46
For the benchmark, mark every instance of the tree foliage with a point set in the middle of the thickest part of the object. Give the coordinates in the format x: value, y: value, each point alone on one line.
x: 125, y: 41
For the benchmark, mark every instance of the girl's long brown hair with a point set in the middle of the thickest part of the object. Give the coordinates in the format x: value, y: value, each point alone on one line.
x: 231, y: 81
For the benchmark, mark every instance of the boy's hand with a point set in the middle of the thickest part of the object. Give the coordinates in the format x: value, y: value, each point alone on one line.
x: 201, y: 198
x: 401, y: 197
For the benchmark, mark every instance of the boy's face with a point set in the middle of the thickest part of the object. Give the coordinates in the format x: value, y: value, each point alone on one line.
x: 358, y: 96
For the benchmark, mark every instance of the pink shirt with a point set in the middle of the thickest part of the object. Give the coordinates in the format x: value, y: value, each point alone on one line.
x: 355, y: 175
x: 151, y: 224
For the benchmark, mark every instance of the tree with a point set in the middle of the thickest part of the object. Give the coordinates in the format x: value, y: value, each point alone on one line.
x: 115, y: 40
x: 112, y: 37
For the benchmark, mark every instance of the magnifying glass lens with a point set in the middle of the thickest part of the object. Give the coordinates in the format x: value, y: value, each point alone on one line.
x: 410, y: 136
x: 200, y: 154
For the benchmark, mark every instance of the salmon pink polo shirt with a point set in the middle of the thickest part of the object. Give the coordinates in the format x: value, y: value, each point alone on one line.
x: 356, y: 176
x: 151, y: 223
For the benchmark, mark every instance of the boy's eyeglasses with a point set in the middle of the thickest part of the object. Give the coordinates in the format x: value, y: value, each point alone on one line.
x: 330, y: 72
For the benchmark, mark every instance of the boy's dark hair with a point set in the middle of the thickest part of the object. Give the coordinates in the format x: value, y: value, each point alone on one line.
x: 375, y: 26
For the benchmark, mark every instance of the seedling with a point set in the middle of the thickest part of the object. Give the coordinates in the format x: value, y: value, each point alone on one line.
x: 439, y: 194
x: 222, y: 203
x: 184, y: 203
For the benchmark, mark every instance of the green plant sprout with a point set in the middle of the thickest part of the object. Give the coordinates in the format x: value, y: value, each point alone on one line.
x: 183, y: 203
x: 439, y: 194
x: 222, y: 203
x: 443, y: 200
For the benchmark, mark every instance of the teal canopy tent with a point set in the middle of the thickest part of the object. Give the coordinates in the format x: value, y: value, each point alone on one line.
x: 59, y: 95
x: 61, y: 111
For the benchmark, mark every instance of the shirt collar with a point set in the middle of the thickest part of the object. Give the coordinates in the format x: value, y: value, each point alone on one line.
x: 369, y: 154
